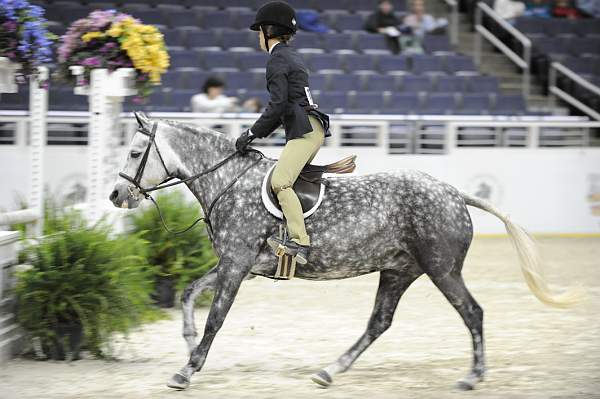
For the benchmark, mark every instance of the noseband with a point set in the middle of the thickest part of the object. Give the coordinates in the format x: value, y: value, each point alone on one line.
x: 136, y: 180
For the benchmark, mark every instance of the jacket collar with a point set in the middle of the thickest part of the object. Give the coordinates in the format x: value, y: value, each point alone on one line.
x: 277, y: 47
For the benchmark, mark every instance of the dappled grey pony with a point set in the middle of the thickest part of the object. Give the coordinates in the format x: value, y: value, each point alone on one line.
x: 401, y: 224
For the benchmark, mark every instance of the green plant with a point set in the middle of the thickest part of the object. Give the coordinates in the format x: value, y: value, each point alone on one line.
x: 180, y: 258
x: 80, y: 276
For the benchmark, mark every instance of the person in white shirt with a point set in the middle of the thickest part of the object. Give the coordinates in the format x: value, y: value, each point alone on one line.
x: 212, y: 98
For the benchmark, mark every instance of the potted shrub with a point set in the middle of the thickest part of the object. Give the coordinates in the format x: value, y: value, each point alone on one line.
x: 178, y: 259
x: 81, y: 285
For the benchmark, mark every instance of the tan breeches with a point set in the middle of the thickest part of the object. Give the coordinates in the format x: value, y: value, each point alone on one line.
x: 296, y: 153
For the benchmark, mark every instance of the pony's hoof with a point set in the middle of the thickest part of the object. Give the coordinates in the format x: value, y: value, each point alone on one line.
x: 178, y: 381
x: 464, y: 385
x: 322, y: 378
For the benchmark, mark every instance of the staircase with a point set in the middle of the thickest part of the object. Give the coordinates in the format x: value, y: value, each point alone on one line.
x: 10, y: 333
x: 495, y: 63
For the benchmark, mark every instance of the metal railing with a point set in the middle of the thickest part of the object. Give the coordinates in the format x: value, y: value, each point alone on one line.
x: 555, y: 69
x: 523, y: 62
x: 453, y: 21
x: 391, y: 134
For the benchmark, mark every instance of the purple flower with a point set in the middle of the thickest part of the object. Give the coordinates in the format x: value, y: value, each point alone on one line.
x: 138, y: 100
x: 91, y: 62
x: 9, y: 26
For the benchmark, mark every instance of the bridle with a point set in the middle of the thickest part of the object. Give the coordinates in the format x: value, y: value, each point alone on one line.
x: 136, y: 180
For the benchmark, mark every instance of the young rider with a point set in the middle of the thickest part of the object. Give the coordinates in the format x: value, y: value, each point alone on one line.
x: 291, y: 104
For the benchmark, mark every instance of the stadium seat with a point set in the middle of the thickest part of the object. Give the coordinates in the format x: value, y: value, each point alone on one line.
x: 439, y: 103
x: 238, y: 40
x: 415, y: 83
x: 64, y: 99
x: 322, y: 62
x: 338, y: 42
x: 239, y: 80
x: 178, y: 19
x: 344, y: 83
x: 15, y: 101
x: 236, y: 4
x: 436, y: 43
x: 174, y: 37
x: 451, y: 84
x: 475, y: 104
x: 358, y: 62
x: 152, y: 17
x: 184, y: 58
x: 349, y: 22
x: 509, y: 105
x: 402, y: 103
x: 253, y: 61
x: 202, y: 39
x: 370, y: 43
x: 427, y: 64
x: 180, y: 101
x: 219, y: 61
x: 588, y: 27
x: 459, y: 64
x: 262, y: 95
x: 393, y: 64
x: 367, y: 102
x: 192, y: 79
x: 483, y: 84
x: 308, y: 41
x: 217, y: 19
x: 380, y: 83
x: 243, y: 19
x: 332, y: 101
x: 317, y: 82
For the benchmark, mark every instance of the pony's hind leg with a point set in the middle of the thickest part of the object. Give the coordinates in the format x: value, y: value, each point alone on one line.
x: 392, y: 285
x: 188, y: 298
x: 453, y: 287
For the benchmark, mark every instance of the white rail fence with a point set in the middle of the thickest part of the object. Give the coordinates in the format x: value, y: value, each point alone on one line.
x: 556, y: 69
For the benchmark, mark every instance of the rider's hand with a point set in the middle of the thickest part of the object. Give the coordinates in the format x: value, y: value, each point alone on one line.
x: 244, y: 140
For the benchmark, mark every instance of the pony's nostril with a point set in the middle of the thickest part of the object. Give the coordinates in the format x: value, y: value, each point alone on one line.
x: 113, y: 196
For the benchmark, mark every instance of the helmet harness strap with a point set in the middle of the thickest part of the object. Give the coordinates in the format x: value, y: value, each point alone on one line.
x: 265, y: 37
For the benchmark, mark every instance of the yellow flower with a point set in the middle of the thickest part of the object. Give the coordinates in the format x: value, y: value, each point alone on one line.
x: 91, y: 36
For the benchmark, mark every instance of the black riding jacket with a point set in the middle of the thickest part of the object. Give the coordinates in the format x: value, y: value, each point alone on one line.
x: 287, y: 83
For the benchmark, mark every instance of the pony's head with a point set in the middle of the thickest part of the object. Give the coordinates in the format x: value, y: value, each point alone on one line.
x: 146, y: 164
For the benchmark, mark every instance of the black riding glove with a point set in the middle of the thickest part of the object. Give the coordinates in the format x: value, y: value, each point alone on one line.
x: 244, y: 140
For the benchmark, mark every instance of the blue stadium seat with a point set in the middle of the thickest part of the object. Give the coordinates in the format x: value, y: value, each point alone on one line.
x: 554, y: 45
x: 588, y: 27
x: 307, y: 41
x: 459, y: 63
x: 530, y: 26
x: 217, y: 19
x: 239, y: 80
x: 380, y: 83
x: 439, y: 103
x: 415, y: 84
x: 349, y: 22
x: 317, y: 82
x: 475, y: 104
x: 152, y: 17
x: 192, y: 79
x: 170, y: 79
x: 338, y: 42
x: 483, y: 84
x: 391, y: 64
x: 182, y: 18
x: 262, y: 95
x: 174, y: 37
x: 509, y: 105
x: 238, y: 4
x: 238, y: 39
x: 64, y: 99
x: 344, y: 82
x: 580, y: 46
x: 434, y: 43
x: 402, y: 103
x: 220, y: 61
x: 302, y: 4
x: 256, y: 60
x: 426, y: 63
x: 327, y: 5
x: 358, y: 62
x: 184, y: 58
x: 367, y: 102
x: 319, y: 62
x: 243, y: 19
x: 372, y: 43
x: 180, y: 100
x: 560, y: 27
x: 206, y: 39
x: 332, y: 101
x: 14, y: 101
x: 451, y: 84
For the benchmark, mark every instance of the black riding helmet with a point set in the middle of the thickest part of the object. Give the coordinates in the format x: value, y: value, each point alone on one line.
x: 277, y: 14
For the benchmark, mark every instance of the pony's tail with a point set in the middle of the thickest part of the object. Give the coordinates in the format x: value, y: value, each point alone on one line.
x: 530, y: 260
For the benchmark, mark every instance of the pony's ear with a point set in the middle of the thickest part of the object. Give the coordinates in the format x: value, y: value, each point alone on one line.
x: 142, y: 118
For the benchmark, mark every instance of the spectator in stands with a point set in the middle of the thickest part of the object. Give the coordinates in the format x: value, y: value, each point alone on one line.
x: 252, y: 104
x: 509, y: 9
x: 537, y: 8
x: 565, y: 9
x: 590, y: 8
x: 384, y: 21
x: 212, y: 98
x: 420, y: 24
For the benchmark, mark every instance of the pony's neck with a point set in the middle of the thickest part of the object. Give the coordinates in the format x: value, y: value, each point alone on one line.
x: 199, y: 149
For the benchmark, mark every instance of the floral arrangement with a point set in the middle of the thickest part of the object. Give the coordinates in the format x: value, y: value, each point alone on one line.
x: 109, y: 39
x: 24, y: 37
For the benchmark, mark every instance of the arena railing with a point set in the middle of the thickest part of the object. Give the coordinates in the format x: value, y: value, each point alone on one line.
x: 523, y: 62
x: 394, y: 134
x: 557, y: 68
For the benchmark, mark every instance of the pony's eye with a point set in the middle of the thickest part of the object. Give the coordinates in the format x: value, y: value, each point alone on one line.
x: 135, y: 154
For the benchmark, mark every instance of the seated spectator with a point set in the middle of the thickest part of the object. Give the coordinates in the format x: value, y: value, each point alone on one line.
x: 252, y: 105
x: 590, y: 8
x: 212, y: 99
x: 565, y: 9
x: 509, y: 9
x: 537, y: 8
x: 420, y: 24
x: 384, y: 21
x: 309, y: 21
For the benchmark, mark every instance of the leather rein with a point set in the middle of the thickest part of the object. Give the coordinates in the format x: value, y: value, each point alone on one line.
x: 136, y: 180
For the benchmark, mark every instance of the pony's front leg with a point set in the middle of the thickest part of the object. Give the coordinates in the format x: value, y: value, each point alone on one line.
x: 230, y: 274
x: 188, y: 300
